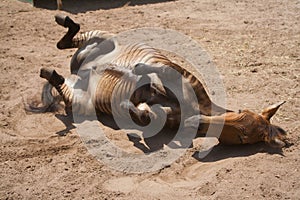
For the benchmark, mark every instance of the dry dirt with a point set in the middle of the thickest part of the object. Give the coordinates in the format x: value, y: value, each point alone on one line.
x: 255, y: 45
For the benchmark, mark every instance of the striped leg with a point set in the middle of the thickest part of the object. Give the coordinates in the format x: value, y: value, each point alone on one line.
x: 142, y: 113
x: 58, y: 82
x: 165, y: 72
x: 71, y: 40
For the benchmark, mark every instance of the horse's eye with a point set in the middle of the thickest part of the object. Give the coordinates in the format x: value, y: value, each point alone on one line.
x: 283, y: 132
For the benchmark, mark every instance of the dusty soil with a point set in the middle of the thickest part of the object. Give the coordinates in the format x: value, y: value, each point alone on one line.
x: 256, y: 47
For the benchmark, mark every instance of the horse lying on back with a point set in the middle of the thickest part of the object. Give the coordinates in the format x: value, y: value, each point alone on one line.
x: 110, y: 75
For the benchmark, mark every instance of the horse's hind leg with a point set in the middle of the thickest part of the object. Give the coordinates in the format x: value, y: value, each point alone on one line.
x: 73, y: 28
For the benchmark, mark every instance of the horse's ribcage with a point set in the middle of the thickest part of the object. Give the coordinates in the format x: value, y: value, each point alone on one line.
x: 139, y: 53
x: 113, y: 88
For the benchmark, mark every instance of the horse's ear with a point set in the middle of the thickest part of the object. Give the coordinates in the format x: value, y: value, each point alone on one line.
x: 268, y: 112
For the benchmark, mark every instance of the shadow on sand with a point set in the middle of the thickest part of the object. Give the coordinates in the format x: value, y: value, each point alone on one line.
x: 165, y: 137
x: 220, y: 152
x: 80, y: 6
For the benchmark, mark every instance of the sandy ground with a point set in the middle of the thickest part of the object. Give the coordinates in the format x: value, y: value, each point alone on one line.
x: 256, y: 47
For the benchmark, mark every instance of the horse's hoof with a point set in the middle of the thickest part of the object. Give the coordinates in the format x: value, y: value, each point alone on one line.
x: 60, y: 19
x: 46, y: 73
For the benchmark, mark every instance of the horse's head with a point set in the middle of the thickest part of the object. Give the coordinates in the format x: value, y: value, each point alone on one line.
x: 275, y: 135
x: 247, y: 127
x: 250, y: 127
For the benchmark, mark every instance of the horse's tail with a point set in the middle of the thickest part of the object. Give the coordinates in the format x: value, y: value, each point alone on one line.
x: 50, y: 101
